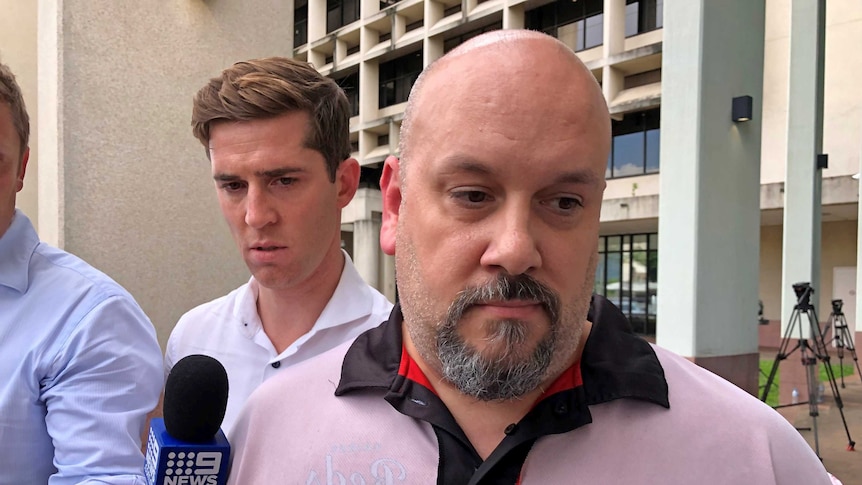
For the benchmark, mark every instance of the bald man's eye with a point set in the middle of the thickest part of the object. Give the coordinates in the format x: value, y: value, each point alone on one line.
x: 471, y: 197
x: 564, y: 205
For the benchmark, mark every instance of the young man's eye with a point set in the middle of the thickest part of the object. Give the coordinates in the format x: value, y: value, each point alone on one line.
x: 286, y: 181
x: 231, y: 186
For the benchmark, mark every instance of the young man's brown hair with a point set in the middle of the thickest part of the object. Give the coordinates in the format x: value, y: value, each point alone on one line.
x: 272, y: 86
x: 10, y: 93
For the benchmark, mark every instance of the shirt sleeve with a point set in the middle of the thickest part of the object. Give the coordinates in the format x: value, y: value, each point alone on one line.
x: 104, y: 380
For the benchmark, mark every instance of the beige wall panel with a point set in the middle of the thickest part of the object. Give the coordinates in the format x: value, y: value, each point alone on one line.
x: 838, y: 249
x: 139, y: 198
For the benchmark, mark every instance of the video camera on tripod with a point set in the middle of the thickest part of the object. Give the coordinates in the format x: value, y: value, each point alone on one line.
x: 803, y: 292
x: 812, y: 349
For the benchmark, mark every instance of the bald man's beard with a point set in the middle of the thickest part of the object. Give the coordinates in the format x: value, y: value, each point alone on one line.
x: 507, y: 367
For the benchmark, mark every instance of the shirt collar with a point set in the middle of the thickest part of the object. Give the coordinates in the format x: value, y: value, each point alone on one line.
x: 615, y: 364
x: 17, y: 245
x: 352, y: 300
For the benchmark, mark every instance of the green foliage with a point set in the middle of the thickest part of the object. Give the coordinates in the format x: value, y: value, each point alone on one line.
x: 837, y: 370
x: 772, y: 398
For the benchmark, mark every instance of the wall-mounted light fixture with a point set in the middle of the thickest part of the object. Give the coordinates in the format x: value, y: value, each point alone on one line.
x: 741, y: 108
x: 822, y: 161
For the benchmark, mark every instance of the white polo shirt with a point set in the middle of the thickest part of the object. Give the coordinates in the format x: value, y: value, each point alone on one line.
x: 229, y: 330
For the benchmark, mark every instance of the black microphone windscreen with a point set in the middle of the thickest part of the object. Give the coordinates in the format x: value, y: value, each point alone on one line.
x: 195, y: 398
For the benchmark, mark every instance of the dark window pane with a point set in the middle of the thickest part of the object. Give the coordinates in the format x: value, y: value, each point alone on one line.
x: 300, y: 25
x: 608, y: 173
x: 351, y: 12
x: 452, y: 42
x: 594, y: 31
x: 599, y: 286
x: 652, y: 280
x: 636, y: 144
x: 333, y: 19
x: 614, y: 269
x: 614, y: 243
x: 397, y: 77
x: 628, y: 154
x: 653, y: 141
x: 632, y: 19
x: 350, y: 85
x: 565, y: 20
x: 625, y: 283
x: 639, y: 242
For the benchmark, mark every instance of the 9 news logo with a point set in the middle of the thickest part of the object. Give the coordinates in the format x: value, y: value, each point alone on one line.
x: 192, y: 468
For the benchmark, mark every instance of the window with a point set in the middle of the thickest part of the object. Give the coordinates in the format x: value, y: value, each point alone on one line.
x: 300, y: 24
x: 340, y: 13
x: 579, y: 25
x: 397, y: 77
x: 643, y: 16
x: 635, y: 145
x: 627, y: 275
x: 453, y: 42
x: 350, y: 85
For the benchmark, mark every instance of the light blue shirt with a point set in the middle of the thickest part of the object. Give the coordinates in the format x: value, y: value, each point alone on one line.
x: 80, y: 368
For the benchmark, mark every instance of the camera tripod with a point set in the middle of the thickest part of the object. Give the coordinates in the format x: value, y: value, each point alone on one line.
x: 841, y: 337
x: 810, y: 356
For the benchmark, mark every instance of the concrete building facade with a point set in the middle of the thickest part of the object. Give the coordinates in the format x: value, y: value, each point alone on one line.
x: 117, y: 178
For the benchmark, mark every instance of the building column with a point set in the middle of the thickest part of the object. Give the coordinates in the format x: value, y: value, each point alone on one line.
x: 802, y: 186
x: 709, y: 209
x: 800, y: 259
x: 613, y: 44
x: 366, y: 249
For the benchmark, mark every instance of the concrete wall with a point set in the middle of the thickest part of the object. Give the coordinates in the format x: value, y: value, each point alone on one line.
x: 138, y: 199
x: 18, y: 51
x: 839, y: 249
x: 842, y: 121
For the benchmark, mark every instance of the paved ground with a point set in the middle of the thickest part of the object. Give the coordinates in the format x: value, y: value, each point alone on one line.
x: 846, y: 465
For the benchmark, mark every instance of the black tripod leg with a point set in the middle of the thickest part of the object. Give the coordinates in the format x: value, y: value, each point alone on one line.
x: 810, y: 364
x: 781, y: 355
x: 822, y: 354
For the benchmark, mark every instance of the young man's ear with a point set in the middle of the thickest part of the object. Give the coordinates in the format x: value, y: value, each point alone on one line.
x: 22, y: 169
x: 347, y: 181
x: 390, y: 186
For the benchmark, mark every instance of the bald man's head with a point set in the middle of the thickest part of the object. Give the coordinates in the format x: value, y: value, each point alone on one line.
x: 500, y: 182
x: 504, y: 61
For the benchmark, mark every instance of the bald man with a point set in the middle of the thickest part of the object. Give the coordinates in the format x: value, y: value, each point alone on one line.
x: 499, y: 366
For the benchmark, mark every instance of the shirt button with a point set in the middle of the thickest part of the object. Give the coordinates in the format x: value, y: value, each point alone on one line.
x: 276, y: 364
x: 561, y: 409
x: 511, y: 429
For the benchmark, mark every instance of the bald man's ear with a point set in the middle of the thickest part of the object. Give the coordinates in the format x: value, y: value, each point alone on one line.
x: 390, y: 186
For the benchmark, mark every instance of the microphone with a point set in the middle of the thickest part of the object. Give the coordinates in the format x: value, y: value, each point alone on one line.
x: 186, y: 447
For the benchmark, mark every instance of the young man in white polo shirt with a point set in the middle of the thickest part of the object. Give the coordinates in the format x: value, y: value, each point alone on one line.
x: 277, y: 135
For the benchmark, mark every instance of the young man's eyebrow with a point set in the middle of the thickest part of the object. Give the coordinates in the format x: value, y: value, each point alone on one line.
x: 274, y: 173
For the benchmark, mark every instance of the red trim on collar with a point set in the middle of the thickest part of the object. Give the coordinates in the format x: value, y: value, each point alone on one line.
x: 570, y: 379
x: 411, y: 370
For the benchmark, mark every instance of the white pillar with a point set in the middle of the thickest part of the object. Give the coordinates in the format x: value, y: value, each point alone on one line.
x: 366, y: 249
x: 802, y: 187
x: 709, y: 209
